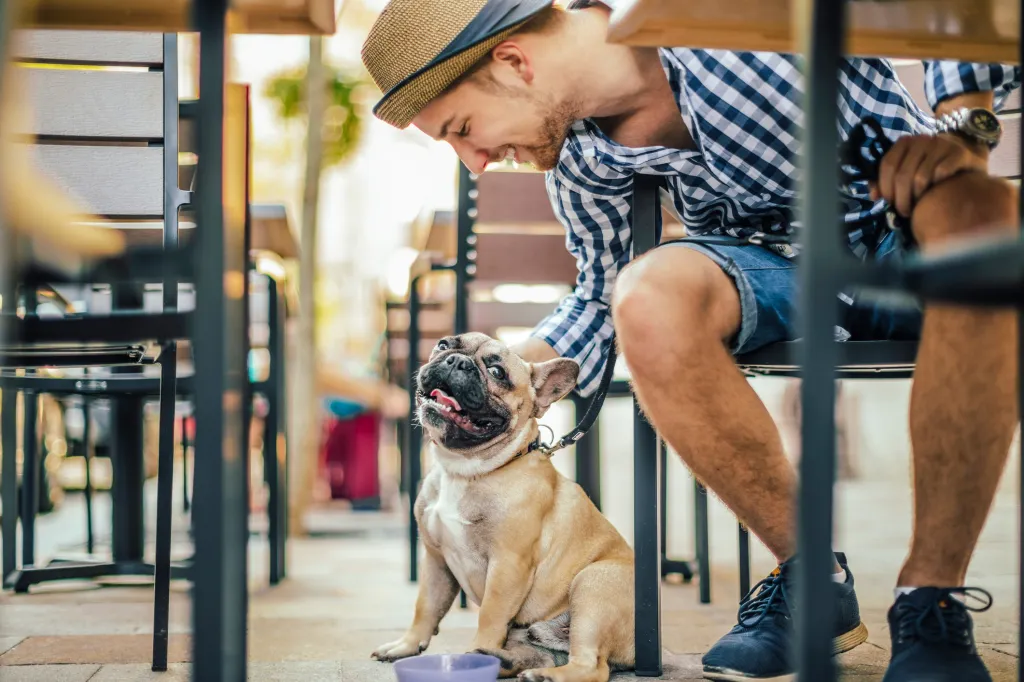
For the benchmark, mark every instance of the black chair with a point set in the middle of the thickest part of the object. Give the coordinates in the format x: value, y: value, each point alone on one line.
x: 117, y: 177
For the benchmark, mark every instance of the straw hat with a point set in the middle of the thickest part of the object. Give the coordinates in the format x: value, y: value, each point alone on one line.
x: 417, y: 48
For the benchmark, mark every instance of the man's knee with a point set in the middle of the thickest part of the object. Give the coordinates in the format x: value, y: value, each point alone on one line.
x: 674, y: 296
x: 970, y: 203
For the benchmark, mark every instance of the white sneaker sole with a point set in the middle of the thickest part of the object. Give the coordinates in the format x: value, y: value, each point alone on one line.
x: 840, y: 644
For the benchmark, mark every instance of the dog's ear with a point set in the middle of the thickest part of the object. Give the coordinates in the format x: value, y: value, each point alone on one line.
x: 552, y: 381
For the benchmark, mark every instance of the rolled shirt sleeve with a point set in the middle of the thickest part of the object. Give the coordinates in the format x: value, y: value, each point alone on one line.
x: 945, y: 79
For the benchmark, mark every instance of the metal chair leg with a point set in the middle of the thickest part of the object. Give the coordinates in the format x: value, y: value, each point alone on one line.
x: 646, y: 538
x: 588, y: 456
x: 273, y: 458
x: 700, y: 496
x: 29, y: 477
x: 9, y: 479
x: 669, y: 566
x: 87, y: 455
x: 414, y: 437
x: 186, y: 503
x: 744, y: 537
x: 164, y: 506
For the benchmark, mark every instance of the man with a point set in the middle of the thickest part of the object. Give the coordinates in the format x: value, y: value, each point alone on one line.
x: 516, y: 78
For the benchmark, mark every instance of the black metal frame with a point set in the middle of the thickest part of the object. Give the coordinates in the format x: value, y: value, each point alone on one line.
x: 50, y: 342
x: 220, y: 601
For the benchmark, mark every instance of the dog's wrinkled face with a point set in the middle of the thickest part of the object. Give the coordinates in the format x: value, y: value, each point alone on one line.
x: 474, y: 393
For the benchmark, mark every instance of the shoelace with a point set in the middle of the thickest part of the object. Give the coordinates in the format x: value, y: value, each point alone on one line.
x: 944, y: 620
x: 766, y: 597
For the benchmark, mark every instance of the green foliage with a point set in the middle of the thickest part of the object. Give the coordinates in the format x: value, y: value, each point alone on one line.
x: 343, y: 119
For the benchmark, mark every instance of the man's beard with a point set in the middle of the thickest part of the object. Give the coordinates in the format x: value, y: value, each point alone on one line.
x: 554, y: 131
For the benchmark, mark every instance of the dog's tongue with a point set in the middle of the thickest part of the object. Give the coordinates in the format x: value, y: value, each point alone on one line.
x: 445, y: 399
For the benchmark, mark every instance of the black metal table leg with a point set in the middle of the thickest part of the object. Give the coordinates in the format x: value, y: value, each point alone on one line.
x: 220, y: 573
x: 165, y: 491
x: 29, y: 477
x: 9, y: 479
x: 818, y: 277
x: 128, y: 534
x: 700, y: 497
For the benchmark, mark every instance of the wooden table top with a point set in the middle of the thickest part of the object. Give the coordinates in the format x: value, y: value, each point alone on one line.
x: 280, y: 17
x: 966, y: 30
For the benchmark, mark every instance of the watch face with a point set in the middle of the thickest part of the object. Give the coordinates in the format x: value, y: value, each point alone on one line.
x: 984, y: 122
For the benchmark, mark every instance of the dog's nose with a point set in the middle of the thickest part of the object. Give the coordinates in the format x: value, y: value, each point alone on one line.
x: 459, y: 362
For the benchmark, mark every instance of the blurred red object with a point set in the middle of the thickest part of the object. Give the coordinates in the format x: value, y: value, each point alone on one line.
x: 348, y: 459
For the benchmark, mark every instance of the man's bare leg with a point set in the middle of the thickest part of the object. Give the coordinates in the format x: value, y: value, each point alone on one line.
x: 674, y: 310
x: 964, y: 403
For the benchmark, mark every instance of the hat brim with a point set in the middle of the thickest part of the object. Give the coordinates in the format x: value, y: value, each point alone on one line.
x: 402, y: 103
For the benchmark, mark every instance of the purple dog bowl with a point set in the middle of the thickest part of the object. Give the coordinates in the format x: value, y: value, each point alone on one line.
x: 448, y: 668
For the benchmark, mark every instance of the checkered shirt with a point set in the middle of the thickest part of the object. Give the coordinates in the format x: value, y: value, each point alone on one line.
x: 743, y: 111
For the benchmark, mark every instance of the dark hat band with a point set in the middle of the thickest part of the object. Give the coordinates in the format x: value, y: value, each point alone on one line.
x: 495, y: 17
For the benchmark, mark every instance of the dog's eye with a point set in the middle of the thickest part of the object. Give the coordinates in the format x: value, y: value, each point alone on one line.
x: 442, y: 345
x: 497, y: 372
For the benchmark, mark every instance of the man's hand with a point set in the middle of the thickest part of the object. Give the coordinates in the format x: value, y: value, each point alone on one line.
x: 534, y: 350
x: 918, y: 162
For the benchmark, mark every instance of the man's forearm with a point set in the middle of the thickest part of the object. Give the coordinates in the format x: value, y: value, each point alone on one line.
x: 534, y: 350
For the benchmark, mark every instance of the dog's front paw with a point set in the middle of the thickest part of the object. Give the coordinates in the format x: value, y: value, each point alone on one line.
x: 535, y: 676
x: 401, y: 648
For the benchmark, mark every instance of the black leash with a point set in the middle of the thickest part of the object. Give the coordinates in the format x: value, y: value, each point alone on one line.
x: 860, y: 157
x: 590, y: 416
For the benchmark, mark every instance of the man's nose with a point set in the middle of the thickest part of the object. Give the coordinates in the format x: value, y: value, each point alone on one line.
x: 459, y: 362
x: 475, y: 159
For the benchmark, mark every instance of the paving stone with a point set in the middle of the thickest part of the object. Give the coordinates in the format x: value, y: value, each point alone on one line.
x: 24, y: 618
x: 138, y: 672
x: 47, y: 673
x: 98, y: 649
x: 8, y: 643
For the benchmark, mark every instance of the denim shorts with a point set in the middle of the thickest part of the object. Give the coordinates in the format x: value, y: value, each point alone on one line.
x: 767, y: 284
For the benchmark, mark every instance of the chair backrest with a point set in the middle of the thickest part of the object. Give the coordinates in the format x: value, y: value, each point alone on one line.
x: 1005, y: 160
x: 97, y: 99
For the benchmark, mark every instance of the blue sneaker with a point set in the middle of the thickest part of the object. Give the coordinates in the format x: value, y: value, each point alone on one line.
x: 759, y: 646
x: 933, y: 636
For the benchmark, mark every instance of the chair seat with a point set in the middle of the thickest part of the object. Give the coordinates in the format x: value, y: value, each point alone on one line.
x: 77, y: 355
x: 857, y: 360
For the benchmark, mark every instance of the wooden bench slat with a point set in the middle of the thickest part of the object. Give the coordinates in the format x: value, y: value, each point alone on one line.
x: 96, y: 104
x: 125, y: 48
x: 524, y: 259
x: 110, y: 181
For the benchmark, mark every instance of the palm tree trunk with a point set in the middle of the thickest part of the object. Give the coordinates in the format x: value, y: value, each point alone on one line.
x: 304, y: 437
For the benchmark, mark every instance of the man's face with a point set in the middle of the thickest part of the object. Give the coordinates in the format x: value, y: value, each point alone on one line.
x: 500, y: 112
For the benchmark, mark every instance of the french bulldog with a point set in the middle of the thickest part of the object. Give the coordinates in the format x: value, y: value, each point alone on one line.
x: 551, y: 575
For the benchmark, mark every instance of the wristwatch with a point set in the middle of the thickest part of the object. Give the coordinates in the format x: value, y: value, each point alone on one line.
x: 978, y: 125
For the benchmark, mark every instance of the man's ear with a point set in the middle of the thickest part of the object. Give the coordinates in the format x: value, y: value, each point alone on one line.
x: 552, y: 381
x: 513, y: 57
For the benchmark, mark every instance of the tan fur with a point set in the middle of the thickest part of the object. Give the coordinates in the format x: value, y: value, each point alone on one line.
x: 524, y: 542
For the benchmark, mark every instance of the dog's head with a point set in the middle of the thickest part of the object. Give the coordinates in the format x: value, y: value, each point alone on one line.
x: 477, y: 398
